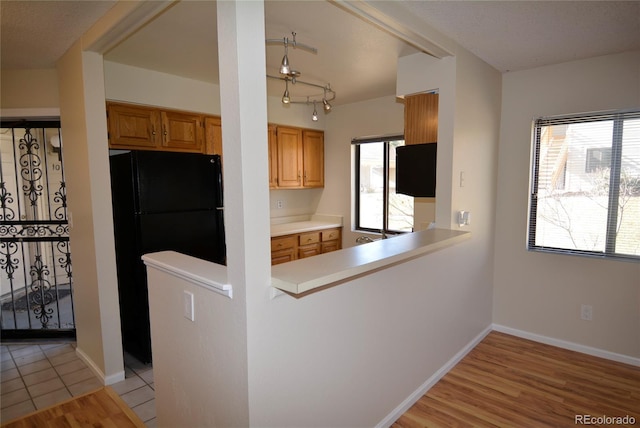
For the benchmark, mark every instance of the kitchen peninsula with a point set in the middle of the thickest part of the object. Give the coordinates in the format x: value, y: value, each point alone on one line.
x: 300, y: 277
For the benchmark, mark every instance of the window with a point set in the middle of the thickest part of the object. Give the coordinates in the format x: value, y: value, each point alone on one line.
x: 585, y: 196
x: 378, y: 208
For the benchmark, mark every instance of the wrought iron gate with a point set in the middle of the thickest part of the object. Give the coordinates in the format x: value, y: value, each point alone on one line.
x: 36, y: 290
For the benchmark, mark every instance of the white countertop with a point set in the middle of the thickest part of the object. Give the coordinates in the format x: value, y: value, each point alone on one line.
x: 199, y: 272
x: 301, y: 276
x: 315, y: 222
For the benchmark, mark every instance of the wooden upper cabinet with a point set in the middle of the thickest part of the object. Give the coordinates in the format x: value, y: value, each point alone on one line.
x: 213, y: 135
x: 273, y: 157
x: 421, y: 118
x: 300, y: 158
x: 182, y: 131
x: 313, y: 158
x: 289, y: 157
x: 133, y: 127
x: 137, y: 127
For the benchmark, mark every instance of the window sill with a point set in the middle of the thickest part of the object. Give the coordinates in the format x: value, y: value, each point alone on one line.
x: 303, y: 276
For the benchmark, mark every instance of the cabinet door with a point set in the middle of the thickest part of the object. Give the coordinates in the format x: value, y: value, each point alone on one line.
x: 421, y: 119
x: 213, y: 135
x: 289, y: 157
x: 313, y: 158
x: 284, y: 249
x: 273, y: 157
x: 308, y: 250
x: 182, y: 131
x: 133, y: 127
x: 329, y: 246
x: 283, y: 256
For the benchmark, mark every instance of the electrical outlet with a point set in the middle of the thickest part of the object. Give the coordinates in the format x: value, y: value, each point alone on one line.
x: 187, y: 303
x: 586, y: 312
x: 279, y: 204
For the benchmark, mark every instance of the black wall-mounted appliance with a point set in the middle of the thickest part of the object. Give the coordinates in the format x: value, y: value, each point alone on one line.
x: 416, y: 170
x: 161, y: 201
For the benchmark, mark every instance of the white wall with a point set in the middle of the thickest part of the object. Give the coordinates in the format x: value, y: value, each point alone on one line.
x: 29, y: 89
x: 374, y: 117
x: 542, y: 293
x: 90, y: 217
x: 348, y: 355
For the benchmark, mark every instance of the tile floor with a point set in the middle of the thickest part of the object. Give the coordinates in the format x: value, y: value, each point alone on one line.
x: 35, y: 376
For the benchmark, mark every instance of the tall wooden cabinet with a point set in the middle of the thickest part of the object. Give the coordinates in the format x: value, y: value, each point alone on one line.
x: 421, y: 118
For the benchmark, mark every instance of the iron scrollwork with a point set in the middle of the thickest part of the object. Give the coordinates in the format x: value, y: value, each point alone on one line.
x: 31, y: 242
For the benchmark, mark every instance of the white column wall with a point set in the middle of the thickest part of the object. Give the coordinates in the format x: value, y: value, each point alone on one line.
x: 90, y: 216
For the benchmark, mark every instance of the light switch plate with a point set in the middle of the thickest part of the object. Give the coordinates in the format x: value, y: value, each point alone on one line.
x: 187, y: 303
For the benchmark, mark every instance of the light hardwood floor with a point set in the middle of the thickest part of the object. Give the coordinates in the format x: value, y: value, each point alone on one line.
x: 507, y: 381
x: 101, y: 408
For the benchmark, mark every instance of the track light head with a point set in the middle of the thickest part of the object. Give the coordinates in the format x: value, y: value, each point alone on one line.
x: 284, y: 67
x: 314, y: 116
x: 285, y: 97
x: 326, y: 104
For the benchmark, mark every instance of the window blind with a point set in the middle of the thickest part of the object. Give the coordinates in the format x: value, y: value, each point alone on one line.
x: 585, y: 185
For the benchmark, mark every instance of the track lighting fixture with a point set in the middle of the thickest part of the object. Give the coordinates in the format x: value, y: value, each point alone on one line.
x: 284, y: 67
x: 288, y: 74
x: 285, y: 98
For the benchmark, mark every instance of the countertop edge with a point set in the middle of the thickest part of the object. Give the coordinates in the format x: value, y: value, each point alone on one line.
x: 203, y: 273
x: 298, y: 277
x: 302, y: 227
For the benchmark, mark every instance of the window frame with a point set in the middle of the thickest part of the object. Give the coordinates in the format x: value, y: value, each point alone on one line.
x: 618, y: 118
x: 386, y: 140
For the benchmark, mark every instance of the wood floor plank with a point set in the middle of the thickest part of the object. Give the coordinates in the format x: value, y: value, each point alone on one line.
x: 507, y: 381
x: 101, y: 408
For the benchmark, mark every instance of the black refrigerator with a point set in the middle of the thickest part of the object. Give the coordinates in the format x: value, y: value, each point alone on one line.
x: 161, y: 201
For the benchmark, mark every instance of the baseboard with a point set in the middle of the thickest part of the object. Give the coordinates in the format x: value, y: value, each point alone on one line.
x: 418, y: 393
x: 106, y: 380
x: 572, y: 346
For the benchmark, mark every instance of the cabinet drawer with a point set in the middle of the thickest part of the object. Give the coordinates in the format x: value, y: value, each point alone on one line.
x: 309, y: 238
x: 308, y: 250
x: 283, y: 243
x: 329, y: 246
x: 330, y: 234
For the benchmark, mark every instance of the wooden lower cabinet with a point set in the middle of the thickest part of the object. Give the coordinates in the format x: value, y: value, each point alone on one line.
x: 284, y: 249
x: 301, y: 245
x: 308, y: 244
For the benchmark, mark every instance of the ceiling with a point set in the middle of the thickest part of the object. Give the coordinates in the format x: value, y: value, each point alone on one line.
x: 357, y: 58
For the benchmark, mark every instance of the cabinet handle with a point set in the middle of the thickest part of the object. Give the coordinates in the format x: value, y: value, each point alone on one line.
x: 309, y: 239
x: 298, y: 175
